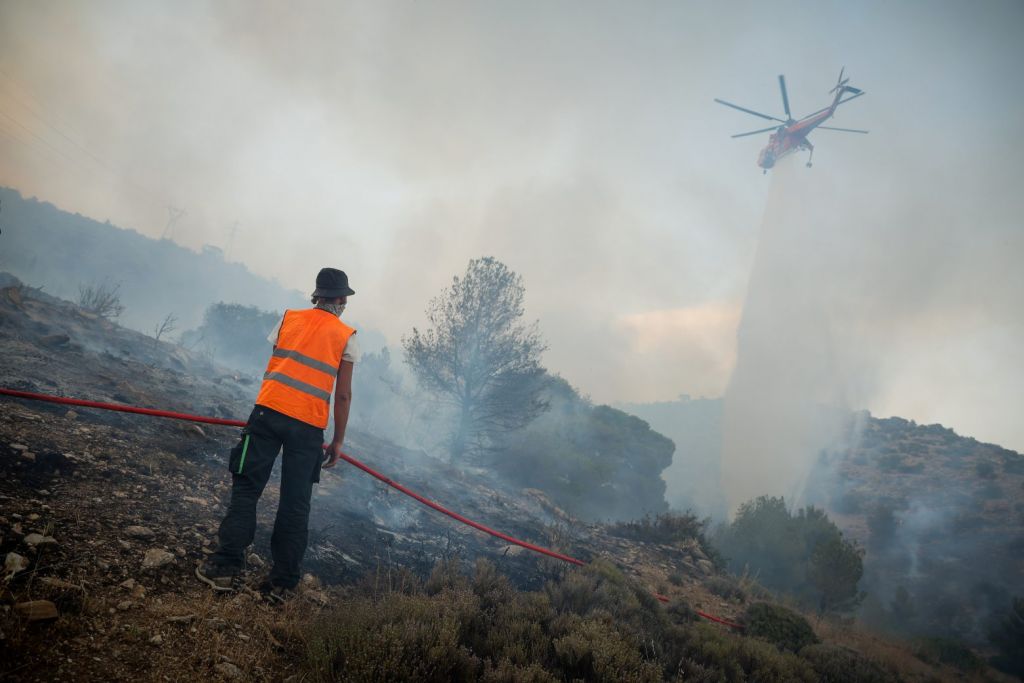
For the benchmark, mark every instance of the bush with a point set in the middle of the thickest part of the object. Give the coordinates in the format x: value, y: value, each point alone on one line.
x: 235, y: 334
x: 801, y: 553
x: 670, y: 528
x: 782, y: 627
x: 594, y: 624
x: 836, y: 664
x: 103, y: 300
x: 1008, y: 637
x: 948, y: 651
x: 726, y: 587
x: 985, y: 470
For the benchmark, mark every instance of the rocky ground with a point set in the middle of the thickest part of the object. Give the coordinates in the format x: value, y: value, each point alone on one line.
x: 104, y: 516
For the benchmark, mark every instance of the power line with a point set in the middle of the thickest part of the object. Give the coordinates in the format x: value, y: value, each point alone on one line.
x: 39, y: 115
x: 37, y: 136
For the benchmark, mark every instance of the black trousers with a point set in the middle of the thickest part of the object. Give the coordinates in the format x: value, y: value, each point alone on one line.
x: 251, y: 462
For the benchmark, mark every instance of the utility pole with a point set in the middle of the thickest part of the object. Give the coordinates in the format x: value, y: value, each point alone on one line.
x: 174, y: 214
x: 231, y: 240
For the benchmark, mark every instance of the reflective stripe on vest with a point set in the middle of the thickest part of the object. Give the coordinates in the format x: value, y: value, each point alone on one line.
x: 299, y: 384
x: 302, y: 369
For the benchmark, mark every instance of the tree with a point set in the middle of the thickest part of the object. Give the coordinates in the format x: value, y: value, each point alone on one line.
x: 166, y: 326
x: 802, y: 553
x: 1008, y: 636
x: 235, y: 334
x: 479, y: 356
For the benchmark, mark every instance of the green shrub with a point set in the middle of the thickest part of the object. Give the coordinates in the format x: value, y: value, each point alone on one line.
x: 593, y: 650
x: 802, y: 553
x: 780, y: 626
x: 948, y: 651
x: 736, y: 658
x: 1008, y: 636
x: 592, y: 624
x: 836, y: 664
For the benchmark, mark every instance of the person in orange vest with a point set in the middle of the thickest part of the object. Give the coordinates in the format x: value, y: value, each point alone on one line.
x: 314, y: 354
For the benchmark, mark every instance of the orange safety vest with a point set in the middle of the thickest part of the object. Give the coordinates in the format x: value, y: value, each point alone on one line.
x: 300, y: 375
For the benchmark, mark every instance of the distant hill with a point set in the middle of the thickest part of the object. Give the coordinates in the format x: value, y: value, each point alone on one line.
x: 940, y: 516
x: 695, y: 425
x: 60, y: 252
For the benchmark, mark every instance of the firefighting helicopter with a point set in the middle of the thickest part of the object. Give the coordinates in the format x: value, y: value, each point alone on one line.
x: 791, y: 135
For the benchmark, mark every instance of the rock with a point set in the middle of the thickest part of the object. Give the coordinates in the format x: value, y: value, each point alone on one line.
x: 182, y: 619
x: 19, y: 447
x: 14, y: 564
x: 127, y: 584
x: 229, y: 670
x: 54, y: 340
x: 156, y: 640
x: 60, y: 584
x: 141, y: 532
x: 706, y: 567
x: 71, y: 415
x: 124, y: 605
x: 33, y: 540
x: 28, y: 456
x: 156, y: 557
x: 256, y: 561
x: 37, y: 610
x: 139, y: 591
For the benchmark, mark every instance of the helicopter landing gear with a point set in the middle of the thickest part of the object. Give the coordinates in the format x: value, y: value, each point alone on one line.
x: 809, y: 164
x: 809, y: 147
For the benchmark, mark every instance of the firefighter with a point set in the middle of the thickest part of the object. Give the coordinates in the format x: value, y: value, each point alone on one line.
x: 314, y: 355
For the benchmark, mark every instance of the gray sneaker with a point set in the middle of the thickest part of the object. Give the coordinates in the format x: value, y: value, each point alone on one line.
x: 217, y: 576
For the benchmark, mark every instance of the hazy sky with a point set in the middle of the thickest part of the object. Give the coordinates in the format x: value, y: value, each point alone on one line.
x: 577, y: 142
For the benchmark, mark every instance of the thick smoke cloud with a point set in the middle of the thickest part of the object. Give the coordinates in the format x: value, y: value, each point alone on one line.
x: 580, y: 145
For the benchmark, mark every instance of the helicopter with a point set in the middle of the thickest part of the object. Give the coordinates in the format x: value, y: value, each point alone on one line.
x: 791, y: 135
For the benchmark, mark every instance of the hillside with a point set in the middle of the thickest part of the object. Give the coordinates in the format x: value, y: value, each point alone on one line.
x: 941, y: 517
x: 103, y: 515
x: 60, y: 251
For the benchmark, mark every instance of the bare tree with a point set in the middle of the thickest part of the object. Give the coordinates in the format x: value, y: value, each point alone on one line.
x: 103, y: 299
x: 166, y: 326
x: 479, y: 356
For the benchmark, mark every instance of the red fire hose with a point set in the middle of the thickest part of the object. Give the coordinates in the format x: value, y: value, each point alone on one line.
x: 352, y: 461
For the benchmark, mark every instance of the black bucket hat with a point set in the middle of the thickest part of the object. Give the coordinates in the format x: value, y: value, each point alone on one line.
x: 331, y: 283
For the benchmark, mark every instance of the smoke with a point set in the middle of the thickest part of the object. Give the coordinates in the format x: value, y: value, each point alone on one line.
x: 786, y: 397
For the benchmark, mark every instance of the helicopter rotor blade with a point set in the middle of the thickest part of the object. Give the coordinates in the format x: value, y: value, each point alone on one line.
x: 843, y: 101
x: 748, y: 111
x: 785, y: 97
x: 844, y: 130
x: 755, y: 132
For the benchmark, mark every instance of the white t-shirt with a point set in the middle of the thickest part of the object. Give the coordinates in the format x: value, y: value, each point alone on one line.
x: 351, y: 352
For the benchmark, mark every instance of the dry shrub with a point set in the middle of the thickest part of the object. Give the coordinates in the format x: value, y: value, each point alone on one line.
x: 726, y: 587
x: 400, y: 638
x: 837, y: 664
